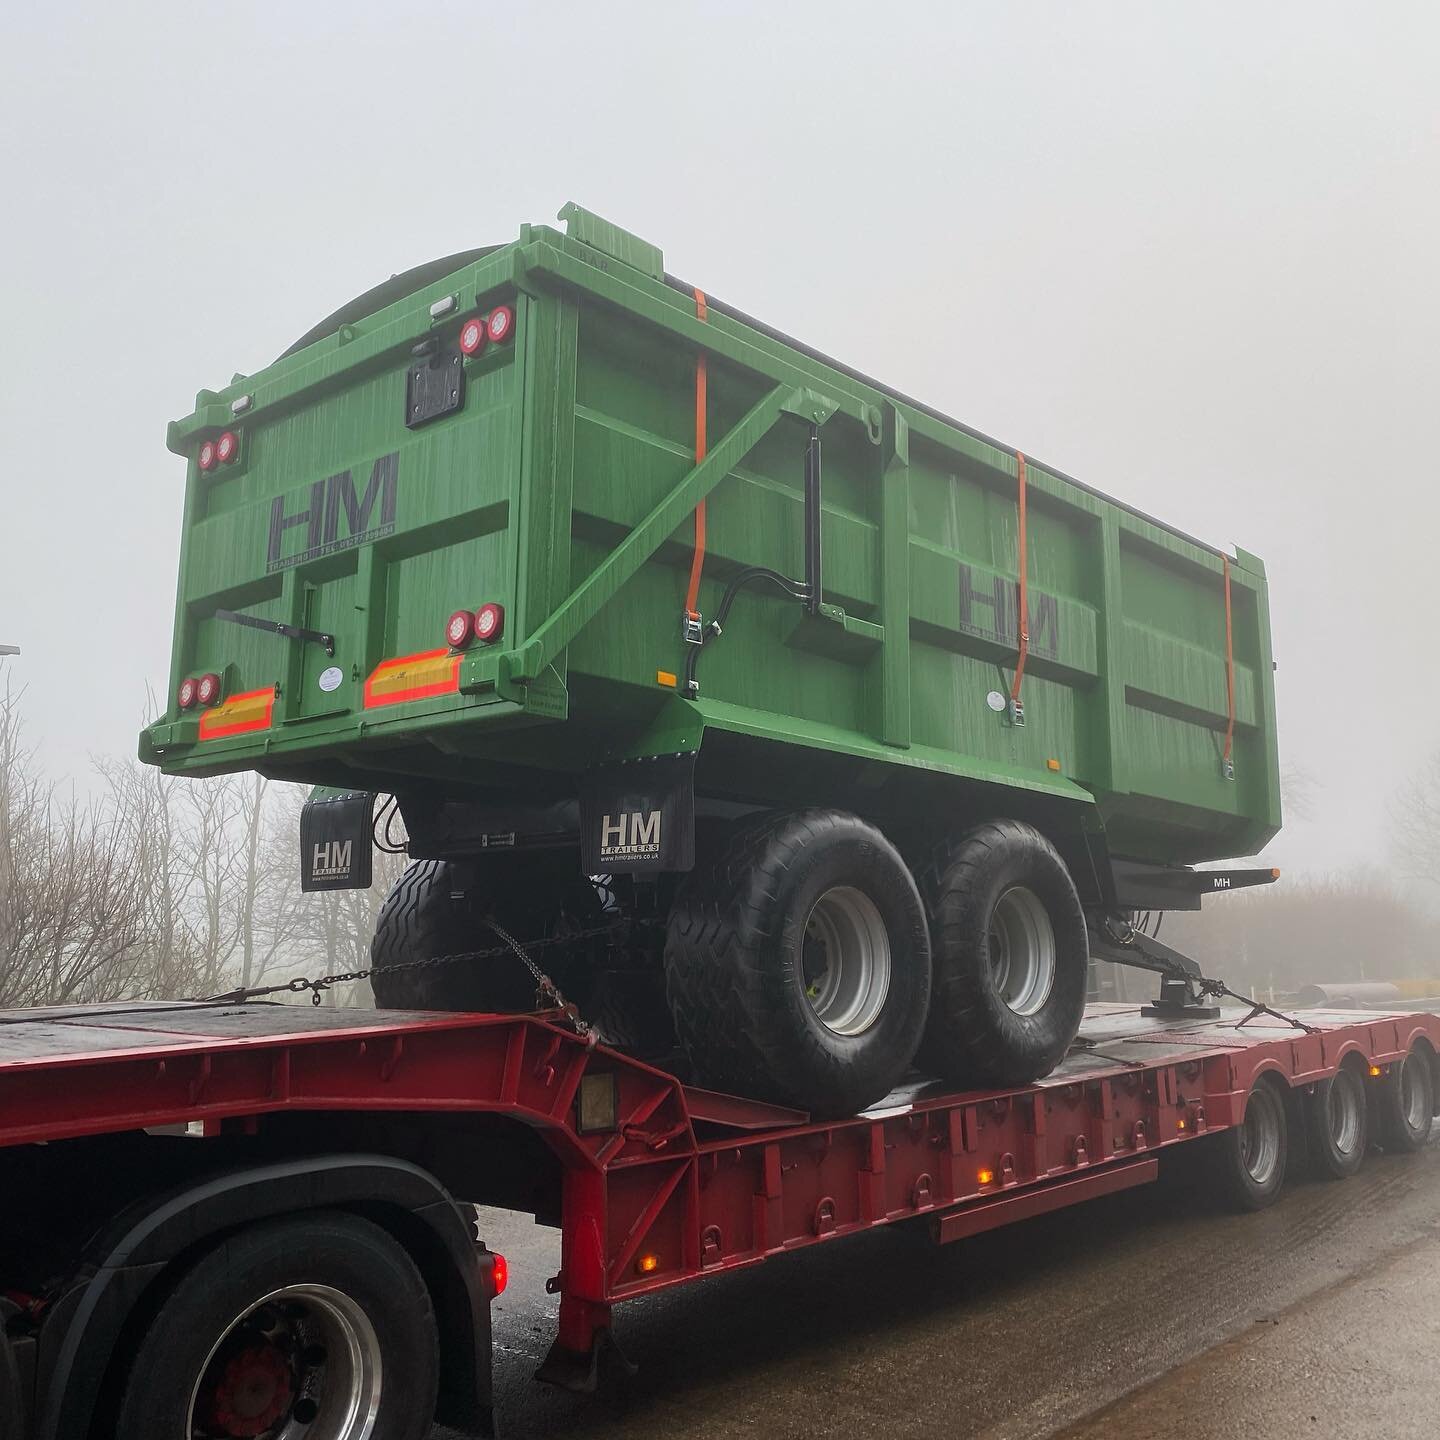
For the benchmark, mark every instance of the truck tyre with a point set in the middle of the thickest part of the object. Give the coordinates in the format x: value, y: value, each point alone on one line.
x: 438, y: 908
x: 627, y: 1010
x: 1255, y: 1151
x: 1011, y: 957
x: 797, y: 964
x: 1403, y: 1101
x: 319, y: 1324
x: 1336, y: 1124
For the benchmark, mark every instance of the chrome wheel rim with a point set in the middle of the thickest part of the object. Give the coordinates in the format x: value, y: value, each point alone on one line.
x: 303, y: 1361
x: 1021, y: 943
x: 846, y: 961
x: 1344, y: 1113
x: 1412, y: 1093
x: 1260, y: 1140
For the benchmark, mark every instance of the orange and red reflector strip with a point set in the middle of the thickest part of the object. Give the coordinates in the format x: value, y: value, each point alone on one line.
x: 239, y: 714
x: 413, y: 677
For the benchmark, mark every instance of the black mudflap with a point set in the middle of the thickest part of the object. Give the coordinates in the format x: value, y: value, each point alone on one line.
x: 638, y: 817
x: 336, y: 841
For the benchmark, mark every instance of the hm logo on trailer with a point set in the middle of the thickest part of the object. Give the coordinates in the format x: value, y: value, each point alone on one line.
x: 320, y: 518
x: 631, y: 835
x: 331, y: 860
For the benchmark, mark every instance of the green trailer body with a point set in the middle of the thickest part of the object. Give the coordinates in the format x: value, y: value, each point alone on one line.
x: 377, y: 479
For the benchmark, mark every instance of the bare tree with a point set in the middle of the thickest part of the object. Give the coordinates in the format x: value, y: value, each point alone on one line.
x: 1415, y: 825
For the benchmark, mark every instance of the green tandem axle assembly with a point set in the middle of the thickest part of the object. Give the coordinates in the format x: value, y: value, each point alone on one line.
x: 814, y: 735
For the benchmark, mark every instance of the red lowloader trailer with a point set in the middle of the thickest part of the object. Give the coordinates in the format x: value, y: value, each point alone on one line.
x: 241, y: 1219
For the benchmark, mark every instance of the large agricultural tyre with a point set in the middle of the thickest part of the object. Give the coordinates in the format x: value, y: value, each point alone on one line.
x: 440, y: 908
x: 1336, y: 1124
x: 1011, y: 957
x: 797, y: 963
x: 318, y: 1326
x: 1256, y: 1151
x: 1403, y: 1104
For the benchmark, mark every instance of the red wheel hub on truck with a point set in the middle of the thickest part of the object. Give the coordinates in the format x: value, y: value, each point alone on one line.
x: 246, y: 1394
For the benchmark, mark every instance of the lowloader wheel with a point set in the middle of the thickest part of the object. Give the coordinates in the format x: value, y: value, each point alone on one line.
x: 317, y: 1327
x: 797, y: 964
x: 1256, y: 1150
x: 1403, y: 1102
x: 1337, y: 1123
x: 1011, y: 957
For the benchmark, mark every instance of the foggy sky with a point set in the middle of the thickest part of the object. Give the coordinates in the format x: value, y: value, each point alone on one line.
x: 1187, y: 253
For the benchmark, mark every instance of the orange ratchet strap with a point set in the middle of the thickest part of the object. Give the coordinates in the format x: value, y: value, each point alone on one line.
x: 697, y: 560
x: 1017, y: 710
x: 1226, y: 763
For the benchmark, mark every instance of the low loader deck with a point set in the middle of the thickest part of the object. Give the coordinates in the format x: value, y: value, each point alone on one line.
x: 660, y: 1183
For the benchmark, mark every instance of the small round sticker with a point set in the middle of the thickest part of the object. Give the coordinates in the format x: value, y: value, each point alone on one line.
x: 996, y: 701
x: 330, y: 679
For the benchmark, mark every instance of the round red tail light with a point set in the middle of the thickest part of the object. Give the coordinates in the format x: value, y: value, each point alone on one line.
x: 207, y: 692
x: 185, y: 695
x: 500, y: 323
x: 206, y: 458
x: 499, y: 1272
x: 227, y: 448
x: 472, y: 336
x: 460, y: 629
x: 489, y: 623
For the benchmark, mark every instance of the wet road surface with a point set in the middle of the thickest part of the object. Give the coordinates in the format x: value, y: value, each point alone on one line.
x: 1147, y: 1313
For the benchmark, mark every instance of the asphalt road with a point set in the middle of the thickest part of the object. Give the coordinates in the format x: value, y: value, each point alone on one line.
x: 1146, y: 1314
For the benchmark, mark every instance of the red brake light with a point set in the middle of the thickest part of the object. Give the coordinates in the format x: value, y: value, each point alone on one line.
x: 499, y: 1273
x: 472, y: 336
x: 206, y: 458
x: 459, y: 629
x: 185, y: 695
x: 207, y: 692
x: 227, y: 448
x: 489, y: 623
x: 500, y: 323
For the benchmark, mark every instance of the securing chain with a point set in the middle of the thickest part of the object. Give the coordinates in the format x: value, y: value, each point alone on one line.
x: 548, y: 992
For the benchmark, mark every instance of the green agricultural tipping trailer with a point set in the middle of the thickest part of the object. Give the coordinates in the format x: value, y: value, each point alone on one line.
x: 812, y: 733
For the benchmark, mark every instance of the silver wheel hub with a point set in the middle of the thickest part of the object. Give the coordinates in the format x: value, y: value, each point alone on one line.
x: 1021, y: 943
x: 1412, y: 1093
x: 1260, y: 1141
x: 846, y: 961
x: 1344, y: 1114
x: 303, y: 1361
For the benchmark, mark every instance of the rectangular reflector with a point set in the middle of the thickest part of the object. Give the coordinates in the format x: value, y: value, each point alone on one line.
x: 239, y: 714
x: 413, y: 677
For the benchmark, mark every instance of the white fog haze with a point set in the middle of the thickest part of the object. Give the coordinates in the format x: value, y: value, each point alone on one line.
x: 1185, y: 254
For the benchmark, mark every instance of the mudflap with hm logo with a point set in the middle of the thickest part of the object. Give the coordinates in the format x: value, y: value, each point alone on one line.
x: 336, y: 840
x: 639, y: 816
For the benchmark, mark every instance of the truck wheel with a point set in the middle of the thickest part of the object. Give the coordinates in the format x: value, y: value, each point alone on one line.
x: 318, y: 1326
x: 1404, y: 1104
x: 438, y: 908
x: 1255, y: 1151
x: 797, y: 964
x: 1335, y: 1122
x: 1011, y: 956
